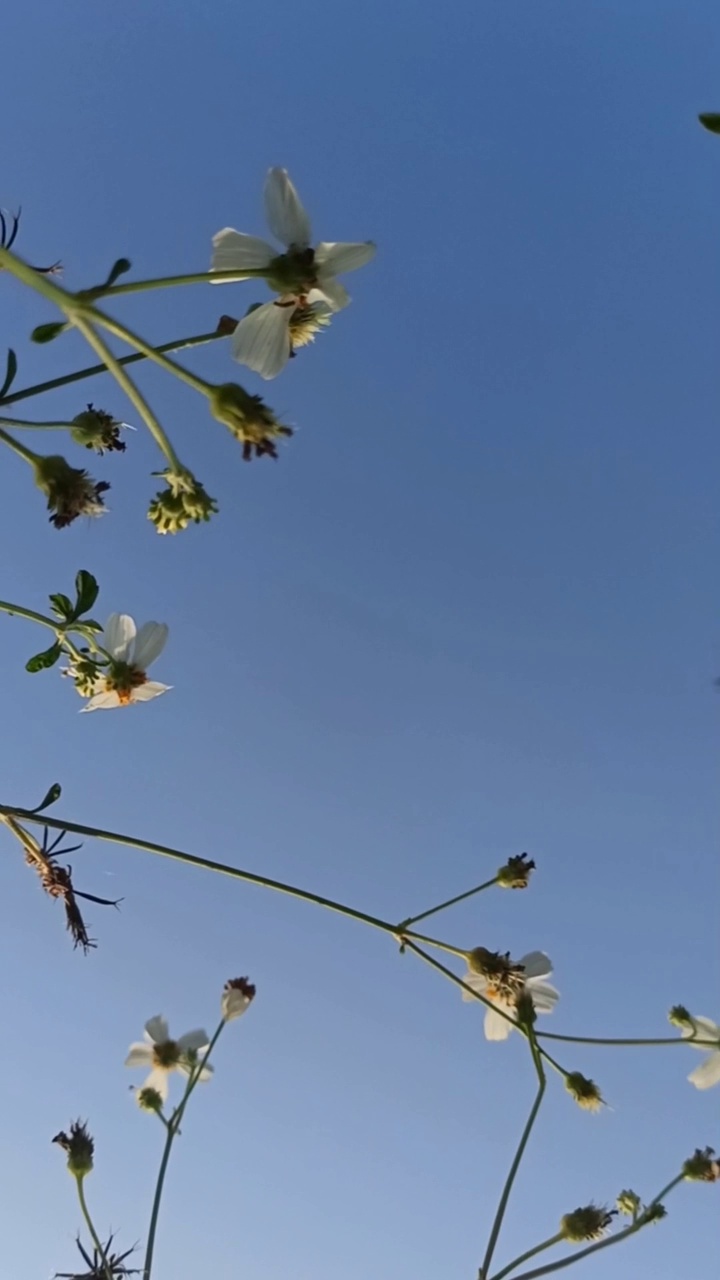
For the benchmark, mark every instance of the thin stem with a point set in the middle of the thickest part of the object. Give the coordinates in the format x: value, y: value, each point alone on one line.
x: 551, y: 1035
x: 42, y: 284
x: 91, y: 1228
x: 529, y: 1253
x: 601, y: 1244
x: 172, y: 1129
x: 460, y: 897
x: 19, y: 449
x: 178, y: 344
x: 35, y: 426
x: 132, y: 392
x: 18, y: 611
x: 206, y: 864
x: 134, y: 340
x: 512, y: 1174
x: 431, y: 942
x: 165, y: 282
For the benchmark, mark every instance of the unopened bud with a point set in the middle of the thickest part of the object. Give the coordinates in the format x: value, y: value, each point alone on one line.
x: 79, y: 1147
x: 588, y: 1223
x: 250, y: 420
x: 585, y: 1092
x: 516, y: 872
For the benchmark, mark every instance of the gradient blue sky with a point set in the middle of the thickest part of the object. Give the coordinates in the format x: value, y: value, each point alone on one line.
x: 473, y: 610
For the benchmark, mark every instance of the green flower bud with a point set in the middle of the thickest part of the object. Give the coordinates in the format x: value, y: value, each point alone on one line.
x: 149, y: 1100
x: 97, y: 430
x: 629, y: 1203
x: 182, y: 503
x: 654, y: 1212
x: 251, y: 421
x: 585, y: 1092
x: 79, y: 1147
x: 680, y: 1017
x: 516, y: 872
x: 69, y: 491
x: 702, y: 1167
x: 588, y: 1223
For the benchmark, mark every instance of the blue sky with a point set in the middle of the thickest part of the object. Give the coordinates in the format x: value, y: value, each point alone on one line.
x: 472, y: 610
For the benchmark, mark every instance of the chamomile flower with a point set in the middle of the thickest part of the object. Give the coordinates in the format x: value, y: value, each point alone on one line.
x: 130, y: 651
x: 502, y: 980
x: 163, y: 1055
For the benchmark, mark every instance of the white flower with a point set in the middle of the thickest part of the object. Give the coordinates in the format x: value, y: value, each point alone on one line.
x: 265, y: 338
x: 131, y: 652
x: 299, y: 270
x: 501, y: 980
x: 708, y: 1073
x: 164, y: 1055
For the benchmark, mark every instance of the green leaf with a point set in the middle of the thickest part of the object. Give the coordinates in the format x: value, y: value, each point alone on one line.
x: 118, y: 269
x: 62, y: 606
x: 710, y: 120
x: 87, y: 592
x: 43, y: 660
x: 10, y: 372
x: 46, y: 332
x: 89, y: 624
x: 52, y: 794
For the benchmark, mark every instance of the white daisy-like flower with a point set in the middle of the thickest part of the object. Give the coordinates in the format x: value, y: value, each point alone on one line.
x: 267, y: 336
x: 131, y: 651
x: 301, y: 268
x: 163, y: 1055
x: 708, y: 1073
x: 501, y: 980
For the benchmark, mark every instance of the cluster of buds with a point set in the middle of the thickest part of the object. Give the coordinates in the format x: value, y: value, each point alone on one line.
x: 182, y: 503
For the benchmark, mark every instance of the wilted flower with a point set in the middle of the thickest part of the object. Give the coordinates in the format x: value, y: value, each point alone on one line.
x: 70, y: 492
x: 97, y: 430
x: 708, y: 1073
x: 164, y: 1055
x: 515, y: 874
x: 269, y: 334
x: 251, y: 421
x: 236, y: 998
x: 585, y: 1092
x: 502, y: 980
x: 79, y: 1147
x: 702, y: 1166
x: 300, y: 269
x: 124, y: 679
x: 591, y: 1222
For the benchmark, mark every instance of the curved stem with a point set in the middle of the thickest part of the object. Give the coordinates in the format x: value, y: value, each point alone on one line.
x: 132, y: 392
x: 529, y: 1253
x: 35, y: 426
x: 151, y: 353
x: 91, y: 1228
x: 460, y: 897
x: 178, y: 344
x: 431, y: 942
x: 507, y: 1189
x: 26, y: 454
x: 19, y: 611
x: 41, y: 284
x: 552, y: 1035
x: 165, y: 282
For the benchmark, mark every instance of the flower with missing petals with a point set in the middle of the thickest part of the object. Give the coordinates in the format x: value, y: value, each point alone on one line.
x: 502, y: 981
x: 70, y: 492
x: 238, y: 994
x: 163, y: 1055
x: 591, y: 1222
x: 130, y: 652
x: 708, y: 1073
x: 97, y: 430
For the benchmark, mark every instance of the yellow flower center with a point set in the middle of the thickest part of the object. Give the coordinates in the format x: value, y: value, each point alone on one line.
x: 123, y: 680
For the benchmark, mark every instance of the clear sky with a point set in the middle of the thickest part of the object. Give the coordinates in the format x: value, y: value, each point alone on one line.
x: 472, y: 611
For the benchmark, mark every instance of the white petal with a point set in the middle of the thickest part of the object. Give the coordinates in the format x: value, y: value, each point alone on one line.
x: 158, y: 1080
x: 139, y: 1055
x: 194, y: 1040
x: 477, y: 982
x: 336, y: 258
x: 536, y: 964
x: 149, y: 643
x: 262, y: 339
x: 706, y: 1030
x: 234, y: 251
x: 102, y: 702
x: 118, y: 635
x: 707, y: 1074
x: 496, y: 1027
x: 157, y: 1030
x: 284, y: 211
x: 544, y: 997
x: 186, y: 1069
x: 334, y: 293
x: 146, y: 692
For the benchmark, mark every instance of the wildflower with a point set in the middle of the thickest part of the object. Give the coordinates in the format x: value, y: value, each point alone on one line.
x: 300, y: 269
x: 269, y: 334
x: 629, y: 1203
x: 516, y: 872
x: 585, y: 1092
x: 236, y: 998
x: 97, y: 430
x: 680, y: 1017
x: 148, y: 1099
x: 702, y: 1167
x: 501, y: 981
x: 591, y: 1222
x: 164, y: 1055
x: 130, y: 652
x: 184, y: 502
x: 79, y: 1147
x: 250, y: 420
x: 70, y: 492
x: 708, y: 1073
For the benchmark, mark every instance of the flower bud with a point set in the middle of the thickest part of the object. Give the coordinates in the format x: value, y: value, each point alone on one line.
x: 249, y: 419
x: 702, y: 1167
x: 69, y: 491
x: 588, y: 1223
x: 236, y: 998
x: 680, y: 1017
x: 654, y: 1212
x: 516, y: 872
x: 79, y: 1147
x: 585, y: 1092
x: 97, y: 430
x: 629, y: 1203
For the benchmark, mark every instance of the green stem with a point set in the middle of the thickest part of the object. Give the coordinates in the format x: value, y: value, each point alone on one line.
x: 601, y: 1244
x: 178, y: 344
x: 431, y: 942
x: 507, y: 1189
x: 132, y: 392
x: 19, y: 449
x: 41, y: 284
x: 91, y: 1228
x: 35, y: 426
x: 18, y: 611
x: 460, y: 897
x: 551, y: 1035
x: 151, y: 353
x: 165, y: 282
x: 529, y: 1253
x: 172, y: 1130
